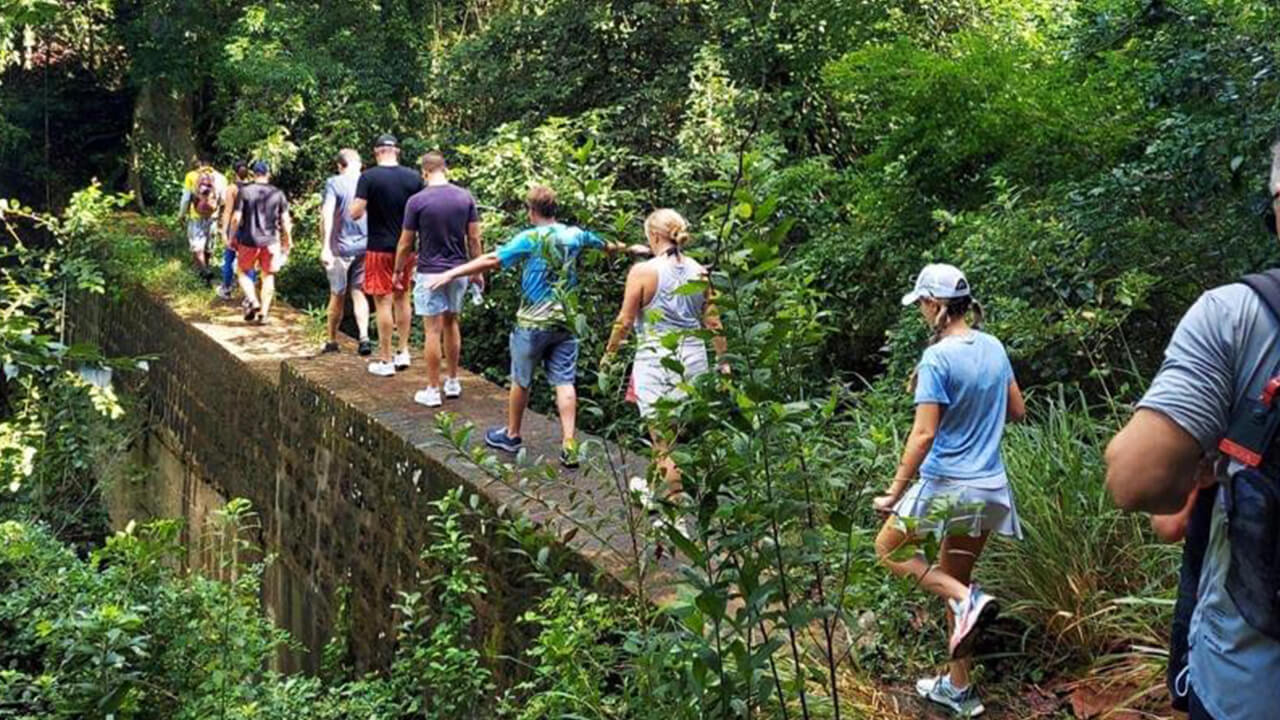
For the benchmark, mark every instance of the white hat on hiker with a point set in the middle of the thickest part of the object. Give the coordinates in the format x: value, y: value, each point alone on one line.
x: 939, y: 282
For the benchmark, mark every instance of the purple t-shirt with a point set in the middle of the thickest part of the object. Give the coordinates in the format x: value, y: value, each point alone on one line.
x: 440, y: 214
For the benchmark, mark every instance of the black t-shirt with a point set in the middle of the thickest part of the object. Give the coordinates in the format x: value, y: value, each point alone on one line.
x: 386, y: 188
x: 262, y: 207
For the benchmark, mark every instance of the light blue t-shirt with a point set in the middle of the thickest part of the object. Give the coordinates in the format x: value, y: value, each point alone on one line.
x: 550, y: 256
x: 1223, y: 350
x: 349, y: 237
x: 969, y: 376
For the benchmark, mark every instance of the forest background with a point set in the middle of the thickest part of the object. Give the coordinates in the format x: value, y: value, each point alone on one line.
x: 1092, y: 164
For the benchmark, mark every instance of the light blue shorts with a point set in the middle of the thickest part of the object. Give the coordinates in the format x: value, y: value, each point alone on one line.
x: 556, y: 349
x: 448, y: 299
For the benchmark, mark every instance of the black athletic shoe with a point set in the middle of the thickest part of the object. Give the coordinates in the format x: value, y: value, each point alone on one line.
x: 329, y: 347
x: 366, y: 348
x: 251, y: 312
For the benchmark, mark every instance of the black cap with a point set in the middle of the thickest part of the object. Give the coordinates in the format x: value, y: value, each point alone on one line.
x: 386, y: 140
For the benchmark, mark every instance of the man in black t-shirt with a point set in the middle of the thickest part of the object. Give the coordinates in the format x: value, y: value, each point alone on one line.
x: 382, y: 193
x: 261, y: 229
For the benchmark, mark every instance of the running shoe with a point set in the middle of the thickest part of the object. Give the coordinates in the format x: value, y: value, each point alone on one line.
x: 366, y: 348
x: 251, y: 312
x: 963, y: 703
x: 224, y: 292
x: 329, y: 347
x: 569, y: 455
x: 429, y: 397
x: 498, y: 438
x: 401, y: 360
x: 640, y: 491
x: 977, y: 610
x: 382, y: 369
x: 452, y: 388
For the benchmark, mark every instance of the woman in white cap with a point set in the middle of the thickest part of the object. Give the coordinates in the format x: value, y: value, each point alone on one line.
x: 951, y: 480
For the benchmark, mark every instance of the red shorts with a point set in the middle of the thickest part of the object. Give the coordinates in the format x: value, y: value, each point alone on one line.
x: 378, y: 269
x: 269, y: 258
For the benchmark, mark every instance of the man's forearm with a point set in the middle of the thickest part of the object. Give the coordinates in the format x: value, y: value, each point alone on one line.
x: 184, y: 203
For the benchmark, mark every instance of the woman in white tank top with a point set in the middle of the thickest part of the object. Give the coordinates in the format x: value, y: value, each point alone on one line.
x: 662, y: 315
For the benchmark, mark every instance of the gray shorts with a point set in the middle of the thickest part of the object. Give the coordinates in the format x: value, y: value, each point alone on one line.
x: 656, y: 382
x: 199, y: 234
x: 448, y: 299
x: 346, y: 272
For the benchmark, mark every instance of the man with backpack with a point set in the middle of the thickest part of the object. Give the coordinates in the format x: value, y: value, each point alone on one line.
x: 202, y: 192
x: 1218, y: 392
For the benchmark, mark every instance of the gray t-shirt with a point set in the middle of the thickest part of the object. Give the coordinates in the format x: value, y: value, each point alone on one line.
x: 349, y: 238
x: 1224, y: 349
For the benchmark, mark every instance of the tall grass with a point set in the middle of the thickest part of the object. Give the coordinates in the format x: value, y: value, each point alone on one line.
x: 1089, y: 577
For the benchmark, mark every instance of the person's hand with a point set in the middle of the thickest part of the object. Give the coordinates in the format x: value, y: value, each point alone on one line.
x: 883, y: 504
x: 397, y: 282
x: 326, y: 259
x: 479, y: 282
x: 435, y: 281
x: 608, y: 363
x: 724, y: 368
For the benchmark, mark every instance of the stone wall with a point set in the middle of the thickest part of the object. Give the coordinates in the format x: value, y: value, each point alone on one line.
x: 339, y: 474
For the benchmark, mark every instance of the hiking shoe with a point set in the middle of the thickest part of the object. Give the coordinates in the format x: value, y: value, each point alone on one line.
x: 963, y: 703
x: 975, y: 611
x: 382, y: 369
x: 569, y: 455
x: 401, y: 360
x: 224, y: 292
x: 498, y: 438
x: 452, y: 388
x: 251, y: 311
x: 329, y: 347
x: 641, y: 492
x: 366, y: 348
x: 429, y: 397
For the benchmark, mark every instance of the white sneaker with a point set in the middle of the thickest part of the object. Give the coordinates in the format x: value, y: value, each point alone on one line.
x: 639, y: 488
x: 382, y: 369
x: 429, y: 397
x: 452, y: 388
x: 224, y: 293
x: 401, y: 360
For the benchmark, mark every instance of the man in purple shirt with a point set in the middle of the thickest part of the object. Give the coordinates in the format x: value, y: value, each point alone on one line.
x: 442, y: 221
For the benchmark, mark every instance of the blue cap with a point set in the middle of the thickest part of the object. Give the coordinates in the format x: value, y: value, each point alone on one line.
x: 260, y: 167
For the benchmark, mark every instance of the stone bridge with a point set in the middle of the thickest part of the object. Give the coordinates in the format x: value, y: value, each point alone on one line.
x: 340, y: 466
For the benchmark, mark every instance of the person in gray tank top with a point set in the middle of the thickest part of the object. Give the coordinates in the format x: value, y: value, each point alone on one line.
x: 654, y: 305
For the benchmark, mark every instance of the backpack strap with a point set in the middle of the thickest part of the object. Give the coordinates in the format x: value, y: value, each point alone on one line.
x: 1267, y: 287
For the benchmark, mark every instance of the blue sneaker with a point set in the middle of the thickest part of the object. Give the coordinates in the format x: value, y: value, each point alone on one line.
x: 963, y: 703
x: 498, y: 438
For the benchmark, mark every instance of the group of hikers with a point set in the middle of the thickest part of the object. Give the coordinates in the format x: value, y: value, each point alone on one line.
x: 412, y: 241
x: 1199, y: 451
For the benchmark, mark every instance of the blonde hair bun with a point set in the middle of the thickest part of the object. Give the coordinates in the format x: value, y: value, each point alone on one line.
x: 667, y: 224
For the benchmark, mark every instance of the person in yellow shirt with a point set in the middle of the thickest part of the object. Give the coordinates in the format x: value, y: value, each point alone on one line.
x: 203, y: 190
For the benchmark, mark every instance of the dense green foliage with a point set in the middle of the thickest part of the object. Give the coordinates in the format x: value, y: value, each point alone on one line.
x: 1092, y: 165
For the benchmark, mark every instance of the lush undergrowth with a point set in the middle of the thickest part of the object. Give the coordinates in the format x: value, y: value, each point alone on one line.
x: 1092, y: 164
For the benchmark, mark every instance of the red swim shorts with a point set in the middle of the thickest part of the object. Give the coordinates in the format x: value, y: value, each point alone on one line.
x: 268, y: 258
x: 378, y: 269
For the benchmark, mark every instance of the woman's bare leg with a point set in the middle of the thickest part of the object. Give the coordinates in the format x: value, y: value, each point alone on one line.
x: 959, y: 553
x: 933, y: 578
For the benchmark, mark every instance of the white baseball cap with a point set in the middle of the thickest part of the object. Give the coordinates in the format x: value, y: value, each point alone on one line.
x: 938, y: 281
